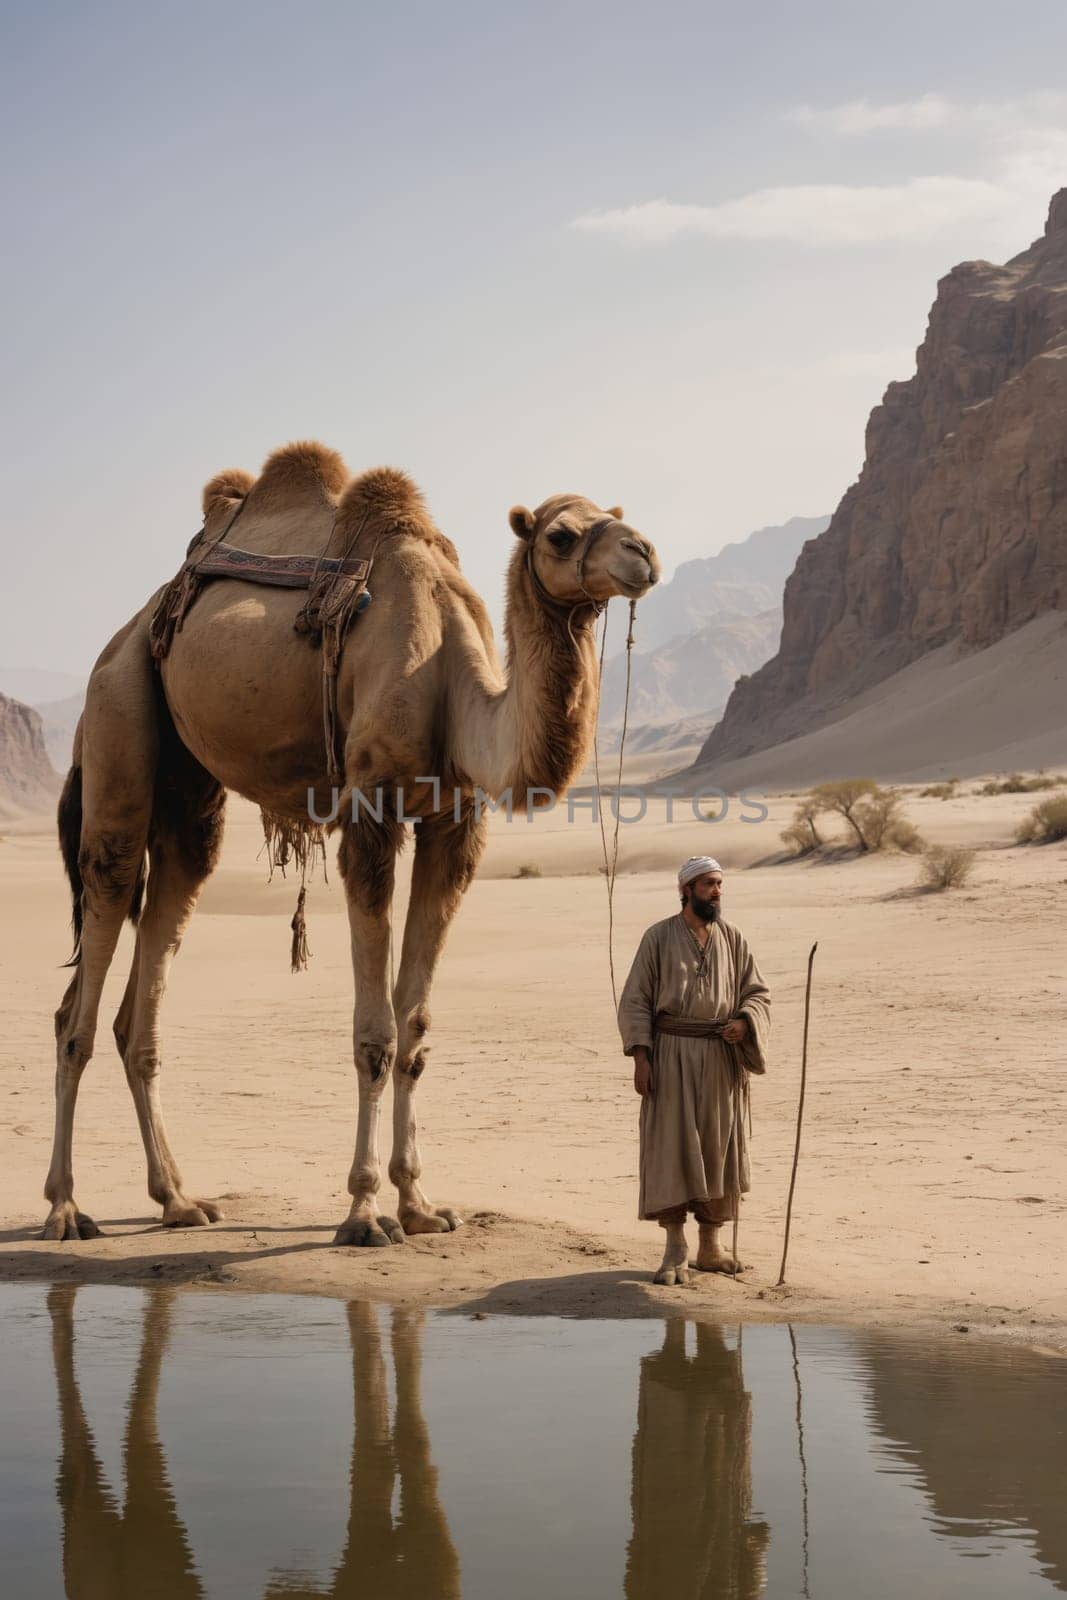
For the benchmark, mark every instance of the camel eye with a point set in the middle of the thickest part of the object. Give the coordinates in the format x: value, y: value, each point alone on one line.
x: 562, y: 541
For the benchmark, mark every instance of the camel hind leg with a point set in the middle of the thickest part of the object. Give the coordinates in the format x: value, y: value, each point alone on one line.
x: 103, y: 819
x: 184, y: 842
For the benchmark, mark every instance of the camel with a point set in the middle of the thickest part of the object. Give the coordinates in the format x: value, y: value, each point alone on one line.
x: 424, y: 715
x: 142, y: 1547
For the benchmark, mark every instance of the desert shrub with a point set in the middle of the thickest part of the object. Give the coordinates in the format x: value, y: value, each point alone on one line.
x: 940, y: 791
x: 876, y: 817
x: 904, y: 836
x: 946, y: 866
x: 797, y: 838
x: 1018, y: 783
x: 1046, y: 822
x: 528, y: 869
x: 802, y: 835
x: 843, y: 796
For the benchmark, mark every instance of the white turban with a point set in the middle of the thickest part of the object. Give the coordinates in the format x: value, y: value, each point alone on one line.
x: 696, y: 867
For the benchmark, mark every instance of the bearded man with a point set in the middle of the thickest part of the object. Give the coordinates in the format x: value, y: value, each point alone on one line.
x: 695, y: 1017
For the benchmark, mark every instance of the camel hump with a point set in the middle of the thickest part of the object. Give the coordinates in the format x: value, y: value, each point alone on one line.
x: 225, y: 489
x: 300, y: 472
x: 385, y: 500
x: 384, y: 492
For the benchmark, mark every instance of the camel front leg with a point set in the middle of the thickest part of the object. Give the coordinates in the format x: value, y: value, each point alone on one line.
x: 446, y: 857
x: 367, y: 860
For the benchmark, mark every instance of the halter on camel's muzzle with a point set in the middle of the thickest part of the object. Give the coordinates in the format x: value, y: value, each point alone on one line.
x: 601, y: 525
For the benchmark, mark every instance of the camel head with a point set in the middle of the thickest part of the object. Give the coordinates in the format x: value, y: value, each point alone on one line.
x: 576, y: 552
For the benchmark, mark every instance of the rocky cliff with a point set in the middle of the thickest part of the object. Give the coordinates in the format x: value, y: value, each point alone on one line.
x: 956, y: 531
x: 28, y: 781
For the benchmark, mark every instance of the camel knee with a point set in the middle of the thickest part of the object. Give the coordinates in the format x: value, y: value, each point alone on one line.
x: 66, y: 1007
x: 375, y: 1058
x: 412, y: 1052
x: 111, y: 867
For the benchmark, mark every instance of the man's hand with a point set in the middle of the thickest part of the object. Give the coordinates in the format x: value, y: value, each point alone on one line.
x: 736, y: 1032
x: 643, y: 1074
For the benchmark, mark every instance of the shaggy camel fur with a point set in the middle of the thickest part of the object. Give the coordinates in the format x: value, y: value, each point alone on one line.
x: 237, y: 705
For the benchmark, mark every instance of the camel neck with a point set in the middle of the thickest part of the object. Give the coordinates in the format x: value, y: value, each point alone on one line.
x: 533, y: 731
x: 552, y: 683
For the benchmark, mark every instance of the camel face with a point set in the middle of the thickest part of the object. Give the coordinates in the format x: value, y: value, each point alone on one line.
x: 581, y: 552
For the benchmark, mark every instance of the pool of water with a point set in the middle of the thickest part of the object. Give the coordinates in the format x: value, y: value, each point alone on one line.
x: 170, y: 1444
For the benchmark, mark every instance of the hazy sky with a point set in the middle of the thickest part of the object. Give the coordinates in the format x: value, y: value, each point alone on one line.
x: 665, y: 255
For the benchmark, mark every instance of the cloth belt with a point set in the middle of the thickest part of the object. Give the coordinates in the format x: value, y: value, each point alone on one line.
x: 688, y: 1027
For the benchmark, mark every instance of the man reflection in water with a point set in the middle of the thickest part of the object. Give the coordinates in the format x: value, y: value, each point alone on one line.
x: 143, y: 1549
x: 692, y: 1476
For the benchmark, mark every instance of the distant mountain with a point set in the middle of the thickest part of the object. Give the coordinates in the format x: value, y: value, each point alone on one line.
x: 717, y: 619
x: 60, y: 718
x: 955, y: 534
x: 34, y: 684
x: 742, y: 580
x: 691, y: 674
x: 28, y: 781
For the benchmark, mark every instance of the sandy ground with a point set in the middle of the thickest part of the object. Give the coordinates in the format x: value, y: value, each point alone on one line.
x: 932, y: 1187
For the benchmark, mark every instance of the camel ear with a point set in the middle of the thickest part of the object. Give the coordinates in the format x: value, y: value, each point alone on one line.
x: 616, y: 512
x: 522, y: 522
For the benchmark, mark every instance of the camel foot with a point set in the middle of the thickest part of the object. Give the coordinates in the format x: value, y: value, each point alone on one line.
x: 442, y: 1219
x: 66, y: 1222
x: 673, y: 1275
x: 718, y: 1261
x: 190, y: 1213
x: 369, y: 1233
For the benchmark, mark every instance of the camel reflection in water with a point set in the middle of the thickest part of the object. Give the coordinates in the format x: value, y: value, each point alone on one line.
x: 692, y: 1475
x: 143, y: 1550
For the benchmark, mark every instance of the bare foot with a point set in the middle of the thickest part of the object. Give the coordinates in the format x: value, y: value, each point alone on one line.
x: 717, y: 1261
x: 711, y: 1257
x: 674, y: 1268
x: 66, y: 1222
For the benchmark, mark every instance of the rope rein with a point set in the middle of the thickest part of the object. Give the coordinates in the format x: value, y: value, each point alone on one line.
x: 611, y: 866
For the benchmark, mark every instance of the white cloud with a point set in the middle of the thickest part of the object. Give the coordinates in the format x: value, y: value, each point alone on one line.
x: 860, y: 116
x: 1024, y: 142
x: 811, y: 213
x: 933, y: 111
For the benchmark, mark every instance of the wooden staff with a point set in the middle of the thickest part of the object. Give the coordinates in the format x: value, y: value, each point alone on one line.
x: 800, y: 1115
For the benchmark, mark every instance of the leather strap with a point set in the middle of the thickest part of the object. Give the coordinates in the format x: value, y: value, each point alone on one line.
x: 281, y: 572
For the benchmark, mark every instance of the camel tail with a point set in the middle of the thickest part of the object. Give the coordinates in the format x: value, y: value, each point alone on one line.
x: 69, y: 819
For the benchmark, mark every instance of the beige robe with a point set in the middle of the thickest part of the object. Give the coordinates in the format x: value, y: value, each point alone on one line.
x: 693, y: 1136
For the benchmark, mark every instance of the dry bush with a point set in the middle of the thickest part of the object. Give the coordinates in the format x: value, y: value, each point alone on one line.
x: 528, y: 869
x: 1046, y: 822
x: 947, y: 866
x: 843, y: 796
x: 797, y: 837
x: 802, y: 835
x: 883, y: 825
x: 940, y: 791
x: 1018, y: 783
x: 873, y: 814
x: 904, y: 836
